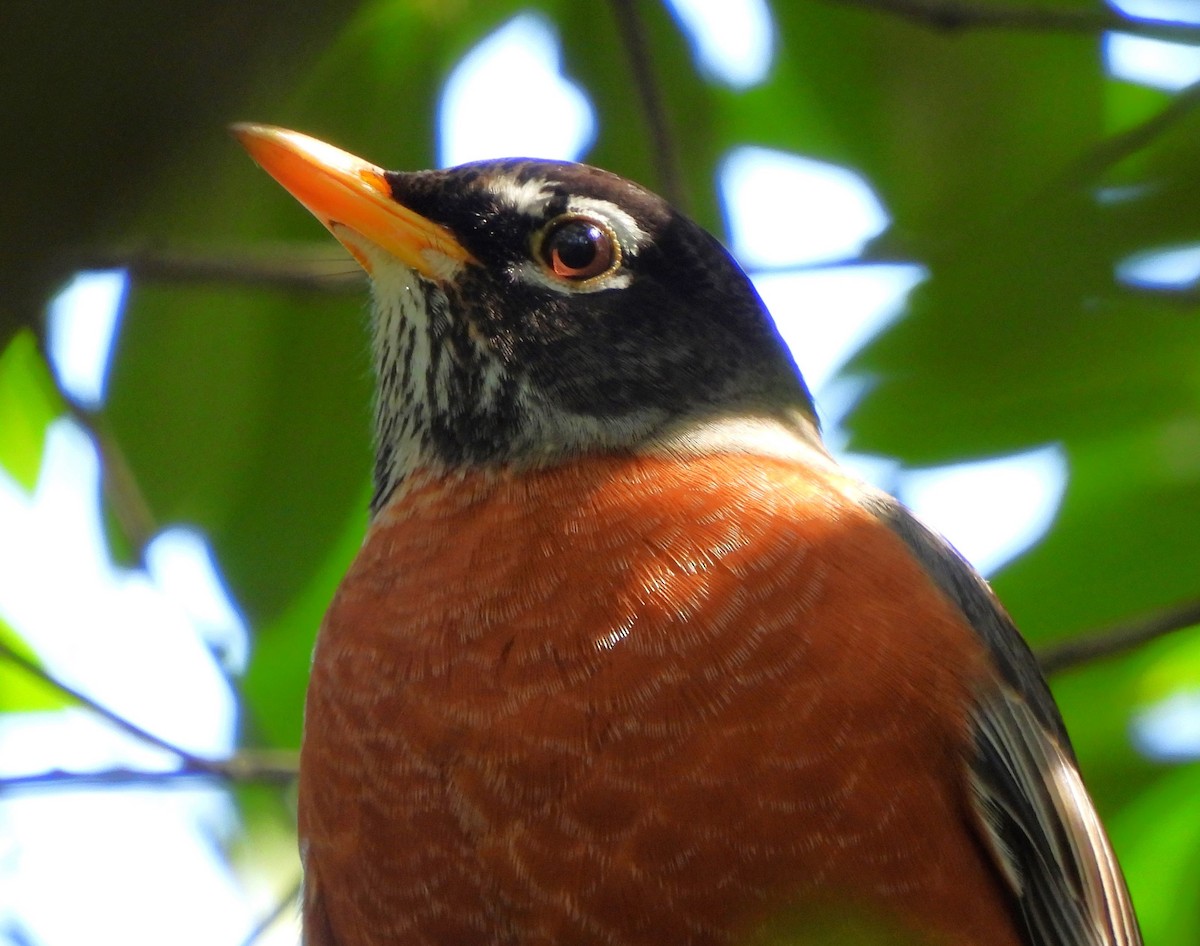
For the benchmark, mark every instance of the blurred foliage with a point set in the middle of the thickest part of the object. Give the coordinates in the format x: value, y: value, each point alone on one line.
x: 20, y: 692
x: 29, y: 401
x: 1015, y: 171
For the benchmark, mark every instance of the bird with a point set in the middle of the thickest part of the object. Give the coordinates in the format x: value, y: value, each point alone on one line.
x: 626, y: 657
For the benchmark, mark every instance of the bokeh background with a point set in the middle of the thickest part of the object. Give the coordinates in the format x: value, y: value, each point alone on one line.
x: 977, y: 222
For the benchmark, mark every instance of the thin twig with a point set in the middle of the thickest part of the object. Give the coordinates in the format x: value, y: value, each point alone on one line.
x: 295, y: 269
x: 864, y: 259
x: 307, y: 268
x: 1117, y: 148
x: 271, y: 918
x: 262, y: 766
x: 666, y: 155
x: 964, y: 14
x: 1187, y: 296
x: 125, y: 497
x: 31, y: 668
x: 121, y: 489
x: 1098, y: 645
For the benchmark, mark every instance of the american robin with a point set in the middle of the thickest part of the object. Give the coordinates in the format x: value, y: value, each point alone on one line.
x: 625, y: 657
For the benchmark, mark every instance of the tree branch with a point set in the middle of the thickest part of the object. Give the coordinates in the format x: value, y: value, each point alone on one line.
x: 1187, y: 296
x: 264, y: 766
x: 271, y: 918
x: 1098, y: 645
x: 952, y: 15
x: 121, y: 489
x: 666, y: 155
x: 864, y: 259
x: 310, y: 268
x: 1112, y: 151
x: 31, y: 668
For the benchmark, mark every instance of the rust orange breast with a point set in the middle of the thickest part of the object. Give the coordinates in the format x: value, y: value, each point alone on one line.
x: 639, y: 701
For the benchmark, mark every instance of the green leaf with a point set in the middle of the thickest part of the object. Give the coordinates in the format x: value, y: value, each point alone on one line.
x: 21, y: 691
x: 1158, y: 838
x: 29, y: 401
x: 277, y: 677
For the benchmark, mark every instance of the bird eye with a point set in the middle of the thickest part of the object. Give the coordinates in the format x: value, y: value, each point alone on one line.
x: 579, y: 248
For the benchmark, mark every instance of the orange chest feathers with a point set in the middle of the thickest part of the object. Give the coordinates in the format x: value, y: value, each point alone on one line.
x: 637, y: 700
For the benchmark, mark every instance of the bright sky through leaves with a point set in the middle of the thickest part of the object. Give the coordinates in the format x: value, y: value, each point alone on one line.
x: 1169, y: 268
x: 1010, y: 502
x: 82, y: 322
x: 785, y: 209
x: 484, y: 111
x: 123, y: 638
x: 1154, y: 62
x: 733, y: 40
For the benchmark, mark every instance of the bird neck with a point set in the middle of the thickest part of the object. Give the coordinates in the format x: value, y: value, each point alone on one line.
x: 447, y: 403
x: 791, y: 436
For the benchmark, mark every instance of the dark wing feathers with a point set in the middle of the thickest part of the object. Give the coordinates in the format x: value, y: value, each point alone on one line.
x: 1045, y: 833
x: 964, y: 586
x: 1034, y: 811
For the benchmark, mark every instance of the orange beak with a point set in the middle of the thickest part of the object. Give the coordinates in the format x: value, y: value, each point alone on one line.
x: 352, y: 198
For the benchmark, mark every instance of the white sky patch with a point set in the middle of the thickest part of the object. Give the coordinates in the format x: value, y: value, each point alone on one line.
x: 1186, y: 11
x: 1169, y: 731
x: 1154, y: 62
x: 507, y: 97
x: 827, y: 315
x: 181, y: 564
x: 134, y: 861
x: 118, y: 865
x: 991, y: 510
x: 786, y: 210
x: 824, y: 315
x: 732, y: 40
x: 111, y: 631
x: 83, y: 320
x: 1169, y: 268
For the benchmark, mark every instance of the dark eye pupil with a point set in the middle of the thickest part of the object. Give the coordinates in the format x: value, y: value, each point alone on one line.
x: 578, y: 249
x: 575, y: 244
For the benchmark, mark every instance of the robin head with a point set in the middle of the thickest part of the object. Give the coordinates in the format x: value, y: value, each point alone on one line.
x: 526, y: 311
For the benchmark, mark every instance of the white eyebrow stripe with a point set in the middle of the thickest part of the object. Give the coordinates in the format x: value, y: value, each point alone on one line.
x: 526, y: 197
x: 530, y: 198
x: 629, y: 232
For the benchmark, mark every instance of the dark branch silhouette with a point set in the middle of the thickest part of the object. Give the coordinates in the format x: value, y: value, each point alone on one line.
x: 125, y: 498
x: 1112, y: 151
x: 31, y: 668
x: 951, y: 15
x: 305, y: 268
x: 267, y: 765
x: 666, y: 155
x: 286, y: 901
x: 1113, y: 641
x: 277, y: 767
